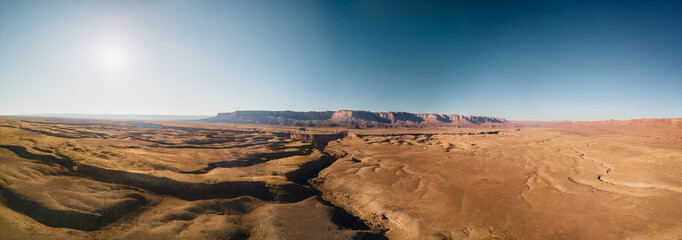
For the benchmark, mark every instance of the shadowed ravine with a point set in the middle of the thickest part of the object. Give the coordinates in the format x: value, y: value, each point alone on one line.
x: 289, y: 188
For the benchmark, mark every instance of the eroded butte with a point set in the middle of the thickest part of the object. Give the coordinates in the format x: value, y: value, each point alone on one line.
x: 82, y: 179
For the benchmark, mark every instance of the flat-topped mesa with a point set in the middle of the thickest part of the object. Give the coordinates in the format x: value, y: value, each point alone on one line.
x: 355, y: 118
x: 349, y: 116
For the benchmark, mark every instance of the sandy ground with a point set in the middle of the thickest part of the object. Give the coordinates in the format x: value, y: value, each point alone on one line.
x: 124, y: 180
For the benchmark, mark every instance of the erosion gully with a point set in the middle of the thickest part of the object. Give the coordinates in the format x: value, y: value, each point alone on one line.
x: 299, y: 190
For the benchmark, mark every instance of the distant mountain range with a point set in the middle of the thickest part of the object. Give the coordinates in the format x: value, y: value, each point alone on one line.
x: 352, y: 118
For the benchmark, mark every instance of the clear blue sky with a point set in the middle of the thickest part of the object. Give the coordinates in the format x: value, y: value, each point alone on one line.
x: 549, y: 60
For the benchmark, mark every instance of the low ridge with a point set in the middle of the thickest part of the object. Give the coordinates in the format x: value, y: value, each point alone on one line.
x: 362, y: 119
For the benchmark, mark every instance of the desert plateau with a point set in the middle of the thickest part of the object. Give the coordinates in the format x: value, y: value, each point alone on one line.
x: 105, y: 179
x: 340, y: 120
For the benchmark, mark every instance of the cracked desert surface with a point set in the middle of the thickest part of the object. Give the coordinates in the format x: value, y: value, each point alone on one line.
x: 79, y: 179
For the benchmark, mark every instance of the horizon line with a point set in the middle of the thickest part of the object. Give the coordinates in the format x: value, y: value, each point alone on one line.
x: 121, y: 116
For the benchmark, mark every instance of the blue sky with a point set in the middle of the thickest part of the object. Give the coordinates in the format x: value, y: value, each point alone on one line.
x: 546, y: 60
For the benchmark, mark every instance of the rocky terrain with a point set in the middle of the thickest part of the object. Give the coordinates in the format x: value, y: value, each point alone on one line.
x: 569, y: 183
x: 80, y: 179
x: 118, y: 180
x: 356, y: 119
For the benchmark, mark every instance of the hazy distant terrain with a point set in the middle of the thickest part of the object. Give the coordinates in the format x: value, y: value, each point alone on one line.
x: 83, y: 179
x: 118, y: 116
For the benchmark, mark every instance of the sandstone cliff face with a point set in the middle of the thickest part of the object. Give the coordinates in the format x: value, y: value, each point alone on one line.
x: 362, y: 119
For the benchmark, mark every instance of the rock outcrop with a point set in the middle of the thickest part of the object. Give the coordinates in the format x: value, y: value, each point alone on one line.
x: 352, y: 118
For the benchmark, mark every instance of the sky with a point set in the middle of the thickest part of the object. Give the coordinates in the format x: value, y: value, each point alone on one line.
x: 521, y: 60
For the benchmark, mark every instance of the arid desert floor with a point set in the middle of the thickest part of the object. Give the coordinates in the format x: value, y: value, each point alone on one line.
x: 86, y: 179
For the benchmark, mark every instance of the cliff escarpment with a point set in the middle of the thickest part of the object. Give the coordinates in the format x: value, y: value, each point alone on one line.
x: 353, y: 118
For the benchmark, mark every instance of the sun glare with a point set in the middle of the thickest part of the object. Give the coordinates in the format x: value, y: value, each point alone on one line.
x: 113, y: 57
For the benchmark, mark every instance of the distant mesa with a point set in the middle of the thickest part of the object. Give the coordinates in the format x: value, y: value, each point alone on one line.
x: 353, y: 118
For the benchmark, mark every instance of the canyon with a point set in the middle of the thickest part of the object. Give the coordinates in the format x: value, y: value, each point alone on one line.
x: 339, y: 175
